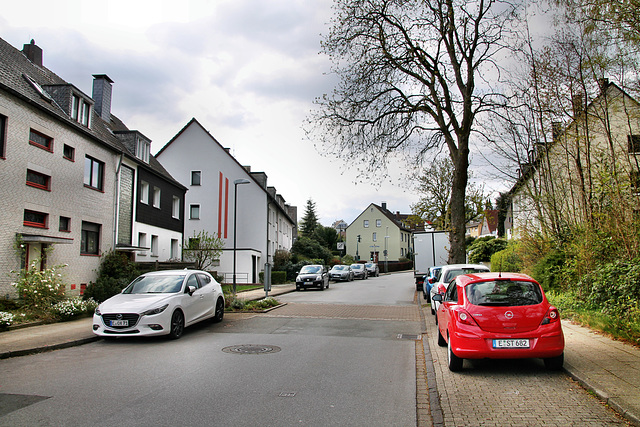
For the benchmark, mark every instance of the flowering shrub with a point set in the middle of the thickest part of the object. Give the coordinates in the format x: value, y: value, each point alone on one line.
x: 39, y: 289
x: 6, y: 319
x: 74, y: 307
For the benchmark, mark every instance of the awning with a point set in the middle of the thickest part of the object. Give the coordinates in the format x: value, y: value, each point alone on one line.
x: 129, y: 248
x: 38, y: 238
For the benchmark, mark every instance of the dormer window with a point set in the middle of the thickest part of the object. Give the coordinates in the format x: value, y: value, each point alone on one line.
x: 143, y: 148
x: 80, y: 110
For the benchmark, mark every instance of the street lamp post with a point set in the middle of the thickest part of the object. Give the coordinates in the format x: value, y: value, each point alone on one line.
x: 386, y: 266
x: 235, y: 210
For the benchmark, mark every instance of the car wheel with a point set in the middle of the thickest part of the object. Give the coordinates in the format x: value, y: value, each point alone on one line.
x: 436, y: 318
x: 441, y: 340
x: 424, y: 296
x: 219, y: 313
x: 554, y: 363
x: 432, y: 310
x: 177, y: 325
x: 297, y: 288
x: 455, y: 363
x: 322, y: 286
x: 327, y: 285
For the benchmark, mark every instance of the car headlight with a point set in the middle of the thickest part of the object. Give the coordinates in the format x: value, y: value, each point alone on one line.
x: 318, y: 277
x: 97, y: 311
x: 298, y: 279
x: 155, y: 310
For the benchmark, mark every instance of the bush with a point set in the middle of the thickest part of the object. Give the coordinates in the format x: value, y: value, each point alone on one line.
x: 614, y: 288
x: 549, y: 270
x: 6, y: 320
x: 104, y: 288
x: 482, y: 248
x: 74, y: 307
x: 277, y: 277
x: 39, y: 289
x: 507, y: 260
x: 115, y: 273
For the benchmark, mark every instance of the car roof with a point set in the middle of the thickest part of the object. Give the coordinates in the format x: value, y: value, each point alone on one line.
x: 467, y: 279
x: 171, y: 272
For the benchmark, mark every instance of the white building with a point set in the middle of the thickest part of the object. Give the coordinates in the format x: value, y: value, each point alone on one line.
x: 264, y: 222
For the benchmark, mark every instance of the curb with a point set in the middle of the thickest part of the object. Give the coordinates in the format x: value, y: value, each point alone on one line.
x: 47, y: 348
x: 621, y: 408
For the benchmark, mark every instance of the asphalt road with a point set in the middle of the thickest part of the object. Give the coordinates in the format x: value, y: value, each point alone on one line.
x: 344, y: 356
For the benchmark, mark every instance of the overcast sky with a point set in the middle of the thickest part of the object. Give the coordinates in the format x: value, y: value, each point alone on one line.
x: 247, y: 70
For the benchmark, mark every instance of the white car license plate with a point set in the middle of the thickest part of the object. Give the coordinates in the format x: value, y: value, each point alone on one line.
x: 119, y: 323
x: 524, y: 343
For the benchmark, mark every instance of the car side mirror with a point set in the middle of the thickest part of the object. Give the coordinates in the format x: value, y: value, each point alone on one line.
x: 437, y: 297
x: 432, y: 280
x: 191, y: 290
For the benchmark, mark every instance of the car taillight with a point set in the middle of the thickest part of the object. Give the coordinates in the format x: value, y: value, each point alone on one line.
x: 465, y: 318
x: 552, y: 316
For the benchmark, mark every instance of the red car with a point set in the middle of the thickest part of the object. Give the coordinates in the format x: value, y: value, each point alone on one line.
x: 498, y: 316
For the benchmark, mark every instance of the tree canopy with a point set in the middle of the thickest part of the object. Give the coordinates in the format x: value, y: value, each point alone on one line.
x: 309, y: 221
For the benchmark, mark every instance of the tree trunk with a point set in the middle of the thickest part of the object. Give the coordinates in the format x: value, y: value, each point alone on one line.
x: 457, y: 251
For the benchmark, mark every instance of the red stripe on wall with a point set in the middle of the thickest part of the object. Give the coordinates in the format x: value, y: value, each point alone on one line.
x: 226, y: 206
x: 220, y: 207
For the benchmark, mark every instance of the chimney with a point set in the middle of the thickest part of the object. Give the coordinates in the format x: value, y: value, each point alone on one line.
x: 102, y: 95
x: 603, y: 83
x: 33, y: 53
x: 576, y: 101
x: 384, y: 205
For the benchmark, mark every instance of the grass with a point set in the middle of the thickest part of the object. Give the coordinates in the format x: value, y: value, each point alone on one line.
x: 228, y: 289
x: 623, y: 329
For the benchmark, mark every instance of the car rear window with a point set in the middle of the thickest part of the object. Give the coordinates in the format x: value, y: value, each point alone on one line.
x: 504, y: 293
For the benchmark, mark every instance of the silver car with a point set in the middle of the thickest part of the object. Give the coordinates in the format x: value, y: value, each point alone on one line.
x: 359, y: 271
x: 341, y: 273
x: 372, y: 269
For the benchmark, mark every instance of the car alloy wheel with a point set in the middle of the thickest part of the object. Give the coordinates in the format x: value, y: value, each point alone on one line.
x: 177, y: 325
x: 219, y: 313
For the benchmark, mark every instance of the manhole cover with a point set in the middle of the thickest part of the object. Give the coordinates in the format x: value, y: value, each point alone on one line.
x: 251, y: 349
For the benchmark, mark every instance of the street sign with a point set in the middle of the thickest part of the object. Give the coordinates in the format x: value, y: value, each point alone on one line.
x: 340, y: 246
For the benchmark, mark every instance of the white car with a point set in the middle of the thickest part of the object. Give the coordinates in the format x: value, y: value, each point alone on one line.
x: 447, y: 274
x: 160, y: 303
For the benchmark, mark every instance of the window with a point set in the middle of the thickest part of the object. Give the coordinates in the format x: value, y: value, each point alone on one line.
x: 366, y: 223
x: 38, y: 180
x: 68, y: 152
x: 378, y: 223
x: 35, y: 219
x: 196, y: 177
x: 634, y: 143
x: 65, y: 224
x: 635, y: 181
x: 40, y: 140
x: 144, y: 192
x: 175, y: 209
x: 84, y: 114
x: 175, y: 254
x: 156, y: 197
x: 142, y: 240
x: 75, y: 106
x: 194, y: 212
x: 154, y: 245
x: 375, y: 237
x: 93, y: 173
x: 90, y: 239
x: 3, y: 134
x: 143, y: 149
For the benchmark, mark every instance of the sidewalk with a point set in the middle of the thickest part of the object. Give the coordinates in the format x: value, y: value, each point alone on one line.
x: 37, y: 339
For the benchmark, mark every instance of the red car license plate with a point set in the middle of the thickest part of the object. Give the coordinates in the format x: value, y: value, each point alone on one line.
x: 523, y: 343
x: 119, y: 323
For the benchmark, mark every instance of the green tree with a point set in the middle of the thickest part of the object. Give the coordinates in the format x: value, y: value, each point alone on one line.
x: 309, y: 220
x: 310, y: 249
x: 434, y: 187
x: 326, y: 236
x: 408, y: 85
x: 203, y: 249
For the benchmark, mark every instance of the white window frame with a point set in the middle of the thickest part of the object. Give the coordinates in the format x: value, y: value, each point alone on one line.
x: 156, y: 197
x: 191, y: 211
x: 144, y: 192
x: 175, y: 209
x: 154, y: 245
x: 365, y: 223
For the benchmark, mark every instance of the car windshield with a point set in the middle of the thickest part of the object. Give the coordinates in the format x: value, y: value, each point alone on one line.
x: 504, y: 293
x: 165, y: 284
x: 339, y: 267
x: 452, y: 274
x: 356, y: 266
x: 310, y: 269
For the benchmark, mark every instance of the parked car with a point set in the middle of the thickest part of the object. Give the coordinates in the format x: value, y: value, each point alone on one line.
x: 312, y: 276
x: 359, y: 271
x: 160, y: 303
x: 429, y: 280
x: 447, y: 274
x: 498, y: 316
x: 372, y: 269
x: 341, y: 273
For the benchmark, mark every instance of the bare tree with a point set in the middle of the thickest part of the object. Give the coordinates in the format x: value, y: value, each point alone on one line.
x: 202, y: 248
x: 414, y: 78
